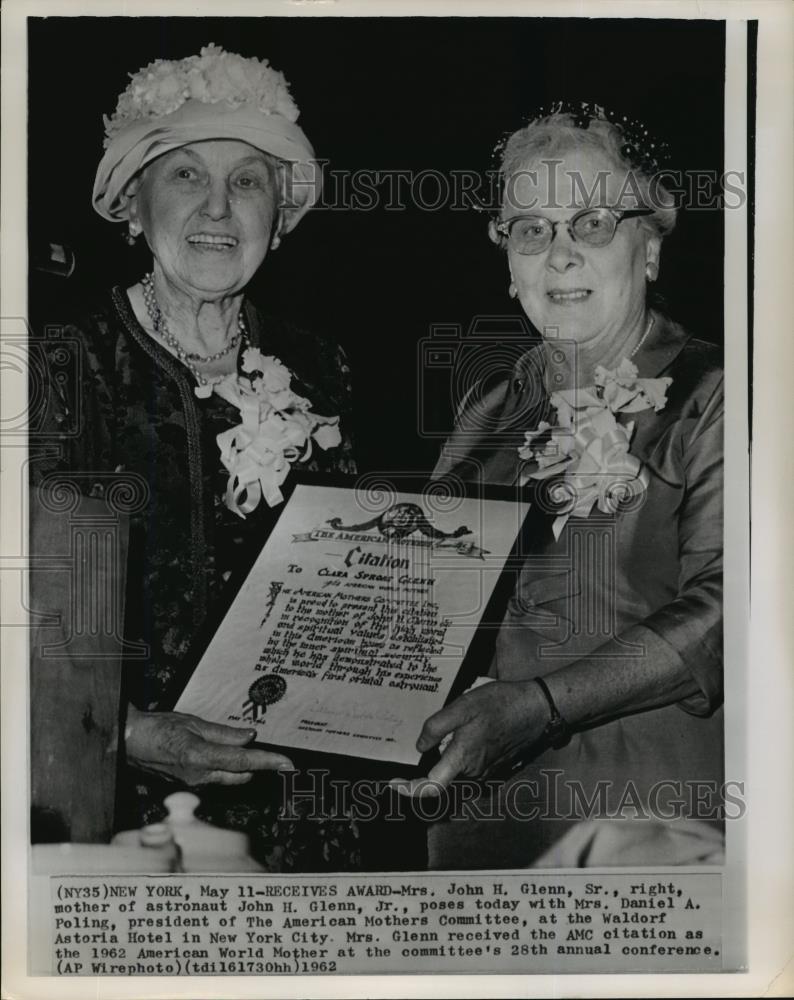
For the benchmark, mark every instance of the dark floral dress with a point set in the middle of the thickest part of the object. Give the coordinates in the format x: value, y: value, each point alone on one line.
x: 127, y: 411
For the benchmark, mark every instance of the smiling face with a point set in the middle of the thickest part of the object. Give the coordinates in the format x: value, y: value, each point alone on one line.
x: 592, y: 295
x: 207, y: 210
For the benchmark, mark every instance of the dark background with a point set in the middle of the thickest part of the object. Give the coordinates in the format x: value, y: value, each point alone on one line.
x: 383, y: 94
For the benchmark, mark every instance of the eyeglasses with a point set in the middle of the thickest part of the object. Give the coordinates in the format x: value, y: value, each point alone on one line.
x: 594, y: 227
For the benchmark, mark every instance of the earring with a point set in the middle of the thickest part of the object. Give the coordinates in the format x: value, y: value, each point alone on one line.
x: 275, y: 243
x: 512, y: 291
x: 651, y: 270
x: 133, y: 232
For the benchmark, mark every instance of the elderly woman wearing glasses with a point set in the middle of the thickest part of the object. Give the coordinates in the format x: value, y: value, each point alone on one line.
x: 607, y: 667
x: 188, y: 386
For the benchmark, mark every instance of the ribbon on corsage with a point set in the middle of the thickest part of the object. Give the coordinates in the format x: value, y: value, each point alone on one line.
x: 588, y: 448
x: 277, y: 429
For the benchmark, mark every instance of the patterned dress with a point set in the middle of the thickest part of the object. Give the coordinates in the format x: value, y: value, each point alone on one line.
x: 125, y: 407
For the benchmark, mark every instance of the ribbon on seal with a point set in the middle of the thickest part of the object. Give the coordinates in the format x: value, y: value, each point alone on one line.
x: 588, y: 448
x: 277, y: 428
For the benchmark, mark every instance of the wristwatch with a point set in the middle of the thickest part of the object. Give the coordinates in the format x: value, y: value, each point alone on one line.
x: 557, y: 732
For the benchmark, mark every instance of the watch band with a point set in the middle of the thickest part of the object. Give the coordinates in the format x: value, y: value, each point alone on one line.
x: 557, y: 732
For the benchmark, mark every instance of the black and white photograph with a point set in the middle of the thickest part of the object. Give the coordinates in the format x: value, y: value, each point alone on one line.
x: 378, y: 501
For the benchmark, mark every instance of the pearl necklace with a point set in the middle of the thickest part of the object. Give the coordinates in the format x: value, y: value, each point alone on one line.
x: 161, y: 329
x: 643, y: 337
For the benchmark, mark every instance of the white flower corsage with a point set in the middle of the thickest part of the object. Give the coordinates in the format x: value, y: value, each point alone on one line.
x: 588, y: 447
x: 165, y: 85
x: 277, y: 429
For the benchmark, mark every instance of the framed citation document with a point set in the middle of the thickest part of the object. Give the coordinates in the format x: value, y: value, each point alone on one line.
x: 354, y: 623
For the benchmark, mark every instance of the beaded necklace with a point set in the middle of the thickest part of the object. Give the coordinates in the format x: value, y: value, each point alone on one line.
x: 643, y: 338
x: 161, y: 329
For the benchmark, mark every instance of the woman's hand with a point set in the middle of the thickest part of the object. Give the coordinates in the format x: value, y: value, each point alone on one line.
x: 491, y: 725
x: 194, y: 751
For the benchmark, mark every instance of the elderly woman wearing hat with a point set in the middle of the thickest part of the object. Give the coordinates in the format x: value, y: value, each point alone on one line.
x: 186, y: 384
x: 607, y: 669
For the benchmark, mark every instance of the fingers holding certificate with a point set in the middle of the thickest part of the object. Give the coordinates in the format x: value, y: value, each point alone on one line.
x: 484, y: 732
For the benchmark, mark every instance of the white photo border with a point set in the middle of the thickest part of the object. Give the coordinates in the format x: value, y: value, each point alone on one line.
x: 758, y: 671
